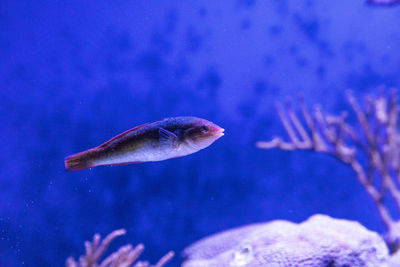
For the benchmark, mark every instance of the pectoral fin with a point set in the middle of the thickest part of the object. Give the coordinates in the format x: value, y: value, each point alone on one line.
x: 167, y: 138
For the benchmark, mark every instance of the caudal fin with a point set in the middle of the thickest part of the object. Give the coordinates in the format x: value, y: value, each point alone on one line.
x: 79, y: 161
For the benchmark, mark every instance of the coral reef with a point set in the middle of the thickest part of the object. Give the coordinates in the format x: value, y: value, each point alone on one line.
x: 372, y: 149
x: 319, y: 241
x: 125, y: 256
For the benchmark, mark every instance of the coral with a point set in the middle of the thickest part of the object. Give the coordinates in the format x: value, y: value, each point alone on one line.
x: 124, y: 257
x: 320, y: 241
x: 372, y: 149
x: 394, y: 259
x: 383, y: 2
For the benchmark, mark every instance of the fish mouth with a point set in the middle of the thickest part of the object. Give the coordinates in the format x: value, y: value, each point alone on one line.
x: 216, y: 133
x: 220, y: 132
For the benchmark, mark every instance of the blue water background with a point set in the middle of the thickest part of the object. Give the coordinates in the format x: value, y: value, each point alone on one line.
x: 75, y: 73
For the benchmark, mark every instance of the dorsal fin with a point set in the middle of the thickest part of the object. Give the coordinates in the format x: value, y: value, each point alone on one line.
x: 120, y: 135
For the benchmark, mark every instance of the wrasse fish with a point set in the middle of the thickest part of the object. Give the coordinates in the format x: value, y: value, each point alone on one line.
x: 156, y: 141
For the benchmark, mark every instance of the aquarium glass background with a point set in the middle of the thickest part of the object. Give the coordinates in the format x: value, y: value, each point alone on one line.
x: 75, y: 73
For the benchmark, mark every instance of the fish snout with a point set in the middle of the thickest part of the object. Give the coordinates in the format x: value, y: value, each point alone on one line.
x: 216, y: 130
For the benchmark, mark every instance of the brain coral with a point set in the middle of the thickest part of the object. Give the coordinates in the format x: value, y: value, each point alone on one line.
x: 318, y: 241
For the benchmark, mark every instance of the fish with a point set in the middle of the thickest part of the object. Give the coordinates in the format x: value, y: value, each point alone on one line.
x: 156, y: 141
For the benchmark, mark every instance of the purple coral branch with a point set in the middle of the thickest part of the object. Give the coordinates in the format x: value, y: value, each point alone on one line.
x: 124, y: 256
x: 378, y: 141
x: 383, y: 2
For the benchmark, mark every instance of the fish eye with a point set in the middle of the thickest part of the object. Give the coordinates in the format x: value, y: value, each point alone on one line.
x: 204, y: 128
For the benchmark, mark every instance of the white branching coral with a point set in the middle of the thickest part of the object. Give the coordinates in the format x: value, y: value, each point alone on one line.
x: 123, y: 257
x: 371, y: 149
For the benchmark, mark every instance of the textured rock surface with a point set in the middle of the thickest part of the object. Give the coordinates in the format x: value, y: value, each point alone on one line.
x: 394, y: 260
x: 319, y: 241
